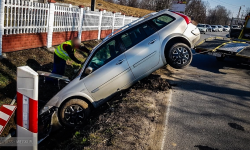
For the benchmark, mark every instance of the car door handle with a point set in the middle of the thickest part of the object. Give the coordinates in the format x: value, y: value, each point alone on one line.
x: 120, y: 62
x: 152, y: 42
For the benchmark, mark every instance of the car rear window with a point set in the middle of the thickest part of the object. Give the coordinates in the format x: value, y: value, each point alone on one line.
x: 161, y: 21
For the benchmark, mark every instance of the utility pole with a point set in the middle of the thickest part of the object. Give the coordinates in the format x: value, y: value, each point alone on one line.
x: 238, y: 16
x: 93, y: 5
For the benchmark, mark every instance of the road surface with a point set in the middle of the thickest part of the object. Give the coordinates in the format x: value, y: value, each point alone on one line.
x: 210, y: 107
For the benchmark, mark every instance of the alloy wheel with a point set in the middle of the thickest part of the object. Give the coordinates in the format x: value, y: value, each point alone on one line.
x: 180, y: 55
x: 74, y: 115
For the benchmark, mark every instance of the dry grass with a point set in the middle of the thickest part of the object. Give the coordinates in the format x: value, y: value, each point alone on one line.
x: 100, y: 4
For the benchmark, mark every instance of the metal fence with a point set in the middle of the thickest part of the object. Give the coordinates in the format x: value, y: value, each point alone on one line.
x: 18, y: 17
x: 24, y: 17
x: 32, y: 17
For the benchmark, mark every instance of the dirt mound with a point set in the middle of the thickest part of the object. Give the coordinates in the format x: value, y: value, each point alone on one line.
x: 154, y: 83
x: 128, y: 121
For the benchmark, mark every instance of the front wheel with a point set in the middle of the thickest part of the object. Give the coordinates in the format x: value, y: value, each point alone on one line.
x: 74, y: 112
x: 179, y: 56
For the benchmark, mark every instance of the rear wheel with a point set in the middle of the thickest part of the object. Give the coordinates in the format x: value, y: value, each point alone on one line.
x: 179, y: 56
x: 74, y: 112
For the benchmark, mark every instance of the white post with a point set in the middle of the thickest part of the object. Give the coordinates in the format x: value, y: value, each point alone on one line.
x: 27, y: 108
x: 50, y: 24
x: 113, y: 23
x: 100, y: 26
x: 80, y: 22
x: 123, y: 21
x: 1, y: 25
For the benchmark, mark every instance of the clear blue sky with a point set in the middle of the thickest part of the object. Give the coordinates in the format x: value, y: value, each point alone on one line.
x: 232, y: 5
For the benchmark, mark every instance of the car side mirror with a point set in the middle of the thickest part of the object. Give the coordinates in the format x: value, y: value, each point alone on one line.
x: 88, y: 70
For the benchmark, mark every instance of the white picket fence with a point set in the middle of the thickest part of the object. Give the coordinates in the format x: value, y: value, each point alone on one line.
x: 20, y: 17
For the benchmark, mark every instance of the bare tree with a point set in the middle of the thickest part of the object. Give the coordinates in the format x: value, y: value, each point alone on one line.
x: 219, y: 15
x: 196, y: 9
x: 247, y: 11
x: 132, y: 3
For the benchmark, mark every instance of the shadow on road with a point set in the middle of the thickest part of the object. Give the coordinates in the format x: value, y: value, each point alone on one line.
x: 200, y: 147
x: 209, y: 63
x: 236, y: 126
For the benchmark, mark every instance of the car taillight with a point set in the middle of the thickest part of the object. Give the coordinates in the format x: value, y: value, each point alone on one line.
x: 183, y: 16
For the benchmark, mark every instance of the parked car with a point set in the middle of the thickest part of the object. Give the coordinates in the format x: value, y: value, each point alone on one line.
x: 235, y: 27
x: 202, y: 28
x: 215, y: 28
x: 220, y: 28
x: 209, y: 28
x: 124, y: 57
x: 226, y: 28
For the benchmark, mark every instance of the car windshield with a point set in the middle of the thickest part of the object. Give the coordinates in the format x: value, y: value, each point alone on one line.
x: 226, y: 26
x: 199, y: 25
x: 213, y: 26
x: 220, y: 26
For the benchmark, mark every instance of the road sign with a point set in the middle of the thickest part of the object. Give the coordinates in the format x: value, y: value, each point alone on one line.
x: 6, y: 111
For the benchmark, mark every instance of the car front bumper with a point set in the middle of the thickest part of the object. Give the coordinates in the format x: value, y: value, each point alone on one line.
x: 48, y: 122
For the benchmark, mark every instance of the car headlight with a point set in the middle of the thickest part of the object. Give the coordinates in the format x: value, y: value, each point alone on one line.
x: 45, y: 108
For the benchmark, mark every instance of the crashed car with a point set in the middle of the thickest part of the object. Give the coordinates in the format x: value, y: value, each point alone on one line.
x: 127, y: 55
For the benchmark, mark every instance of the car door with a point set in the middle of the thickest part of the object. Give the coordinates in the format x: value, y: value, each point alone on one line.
x: 110, y: 71
x: 142, y: 45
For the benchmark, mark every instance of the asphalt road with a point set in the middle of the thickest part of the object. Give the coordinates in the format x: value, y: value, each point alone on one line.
x: 210, y: 107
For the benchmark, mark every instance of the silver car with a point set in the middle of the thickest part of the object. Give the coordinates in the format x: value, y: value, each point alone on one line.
x: 215, y: 28
x: 129, y: 54
x: 220, y: 28
x: 202, y: 28
x: 226, y: 28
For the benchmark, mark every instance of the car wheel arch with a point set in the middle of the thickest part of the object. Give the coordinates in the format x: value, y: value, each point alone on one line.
x: 173, y: 40
x: 91, y: 104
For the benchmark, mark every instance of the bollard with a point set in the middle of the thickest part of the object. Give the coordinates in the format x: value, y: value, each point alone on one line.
x: 27, y: 106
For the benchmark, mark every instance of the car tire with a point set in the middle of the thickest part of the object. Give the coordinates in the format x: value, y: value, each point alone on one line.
x: 74, y: 112
x: 220, y: 58
x: 175, y: 52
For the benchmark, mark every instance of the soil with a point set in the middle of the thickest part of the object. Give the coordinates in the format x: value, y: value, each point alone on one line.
x: 131, y: 120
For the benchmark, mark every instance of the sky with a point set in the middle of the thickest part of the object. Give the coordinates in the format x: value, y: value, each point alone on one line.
x: 233, y: 5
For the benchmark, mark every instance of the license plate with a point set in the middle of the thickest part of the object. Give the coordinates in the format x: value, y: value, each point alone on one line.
x: 214, y: 54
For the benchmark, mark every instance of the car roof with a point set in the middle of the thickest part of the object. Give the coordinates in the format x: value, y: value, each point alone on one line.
x: 137, y: 22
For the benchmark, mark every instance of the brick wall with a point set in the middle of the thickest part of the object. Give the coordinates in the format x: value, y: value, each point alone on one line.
x: 60, y: 37
x: 105, y: 33
x: 89, y: 35
x: 33, y: 40
x: 23, y: 41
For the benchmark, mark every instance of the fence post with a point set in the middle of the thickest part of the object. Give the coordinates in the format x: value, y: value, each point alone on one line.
x: 1, y: 26
x: 80, y: 22
x: 123, y: 21
x: 113, y: 23
x: 50, y: 23
x: 100, y: 25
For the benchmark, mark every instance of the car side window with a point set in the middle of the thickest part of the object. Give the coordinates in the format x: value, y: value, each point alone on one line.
x: 148, y: 29
x: 161, y: 21
x: 104, y: 54
x: 133, y: 37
